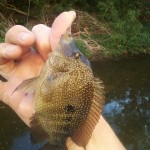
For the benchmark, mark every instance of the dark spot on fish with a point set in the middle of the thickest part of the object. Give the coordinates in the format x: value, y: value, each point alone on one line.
x: 66, y: 129
x: 69, y: 108
x: 69, y: 118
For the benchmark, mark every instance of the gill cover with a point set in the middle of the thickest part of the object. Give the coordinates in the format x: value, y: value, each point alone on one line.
x: 68, y: 47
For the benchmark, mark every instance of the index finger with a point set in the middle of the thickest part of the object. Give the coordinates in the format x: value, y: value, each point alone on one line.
x: 19, y: 35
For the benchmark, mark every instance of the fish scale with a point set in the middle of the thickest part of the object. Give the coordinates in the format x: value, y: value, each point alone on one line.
x: 68, y: 98
x: 73, y: 99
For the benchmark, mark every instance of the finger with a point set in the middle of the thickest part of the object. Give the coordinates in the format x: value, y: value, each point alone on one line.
x: 2, y: 89
x: 42, y: 43
x: 25, y: 108
x: 72, y: 146
x: 59, y: 27
x: 9, y: 52
x: 19, y: 35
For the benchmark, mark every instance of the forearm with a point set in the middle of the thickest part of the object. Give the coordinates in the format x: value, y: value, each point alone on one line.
x: 104, y: 138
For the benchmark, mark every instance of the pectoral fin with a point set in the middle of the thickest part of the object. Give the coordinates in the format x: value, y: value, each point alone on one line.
x: 27, y: 86
x: 84, y: 134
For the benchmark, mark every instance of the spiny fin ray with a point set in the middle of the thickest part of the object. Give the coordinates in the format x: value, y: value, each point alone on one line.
x: 37, y: 134
x: 84, y: 134
x: 27, y: 86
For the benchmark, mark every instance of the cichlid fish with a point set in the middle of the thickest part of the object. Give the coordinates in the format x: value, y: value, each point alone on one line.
x: 68, y: 98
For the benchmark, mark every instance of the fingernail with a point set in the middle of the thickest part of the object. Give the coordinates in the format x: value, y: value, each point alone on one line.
x: 9, y: 50
x: 24, y: 36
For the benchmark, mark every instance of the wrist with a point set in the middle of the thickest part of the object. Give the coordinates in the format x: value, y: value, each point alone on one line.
x: 104, y: 138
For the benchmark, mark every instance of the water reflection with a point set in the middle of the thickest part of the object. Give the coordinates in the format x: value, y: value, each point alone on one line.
x: 127, y: 109
x: 10, y: 127
x: 128, y: 99
x: 24, y: 143
x: 14, y: 134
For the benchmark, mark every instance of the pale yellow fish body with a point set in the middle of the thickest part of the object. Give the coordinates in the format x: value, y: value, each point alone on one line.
x: 68, y: 99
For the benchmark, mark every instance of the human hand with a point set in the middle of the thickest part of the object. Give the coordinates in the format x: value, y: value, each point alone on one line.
x: 18, y: 62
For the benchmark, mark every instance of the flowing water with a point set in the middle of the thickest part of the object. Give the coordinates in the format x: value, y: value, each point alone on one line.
x: 127, y: 108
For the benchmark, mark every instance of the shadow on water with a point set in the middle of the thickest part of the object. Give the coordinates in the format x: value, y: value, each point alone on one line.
x: 127, y: 108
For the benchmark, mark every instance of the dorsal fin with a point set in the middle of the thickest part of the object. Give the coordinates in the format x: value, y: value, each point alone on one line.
x: 84, y: 134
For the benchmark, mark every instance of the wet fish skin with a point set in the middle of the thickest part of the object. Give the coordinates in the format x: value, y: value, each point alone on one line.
x: 65, y: 92
x: 68, y: 99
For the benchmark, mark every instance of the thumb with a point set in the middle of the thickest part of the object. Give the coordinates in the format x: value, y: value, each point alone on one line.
x: 59, y: 27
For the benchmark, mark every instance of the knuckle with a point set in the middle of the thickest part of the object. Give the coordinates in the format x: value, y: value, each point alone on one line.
x: 40, y: 27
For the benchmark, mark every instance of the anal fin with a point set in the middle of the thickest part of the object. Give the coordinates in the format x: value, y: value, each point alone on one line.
x: 37, y: 134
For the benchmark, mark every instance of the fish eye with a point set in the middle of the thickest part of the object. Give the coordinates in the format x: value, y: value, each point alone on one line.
x: 76, y: 55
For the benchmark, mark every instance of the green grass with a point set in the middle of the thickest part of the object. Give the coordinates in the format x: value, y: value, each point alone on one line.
x: 82, y: 47
x: 1, y: 40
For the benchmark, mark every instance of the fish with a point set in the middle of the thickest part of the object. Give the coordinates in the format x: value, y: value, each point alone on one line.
x: 68, y: 98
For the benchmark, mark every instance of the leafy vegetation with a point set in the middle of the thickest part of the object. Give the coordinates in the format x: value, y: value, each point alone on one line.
x: 82, y: 47
x: 125, y: 21
x: 127, y: 35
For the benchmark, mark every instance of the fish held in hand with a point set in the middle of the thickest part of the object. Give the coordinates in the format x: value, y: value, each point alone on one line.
x: 68, y: 98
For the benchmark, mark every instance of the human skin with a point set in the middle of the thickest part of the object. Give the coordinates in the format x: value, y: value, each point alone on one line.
x: 17, y: 48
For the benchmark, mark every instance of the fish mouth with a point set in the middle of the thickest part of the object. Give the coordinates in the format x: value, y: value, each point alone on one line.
x: 68, y: 47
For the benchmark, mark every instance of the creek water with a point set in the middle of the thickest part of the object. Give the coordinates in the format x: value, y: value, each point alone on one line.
x: 127, y: 107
